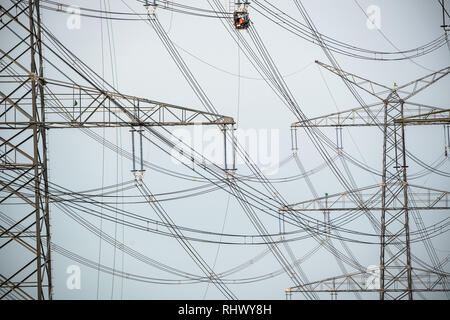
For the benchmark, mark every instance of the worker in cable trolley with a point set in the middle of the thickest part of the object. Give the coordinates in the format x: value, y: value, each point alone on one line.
x: 240, y: 17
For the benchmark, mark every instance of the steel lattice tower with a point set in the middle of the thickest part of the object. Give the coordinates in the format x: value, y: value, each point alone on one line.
x: 391, y: 197
x: 24, y: 151
x: 394, y: 222
x: 31, y: 104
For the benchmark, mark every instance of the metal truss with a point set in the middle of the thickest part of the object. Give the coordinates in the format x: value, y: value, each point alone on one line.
x: 438, y: 116
x: 73, y: 106
x: 424, y: 199
x: 31, y: 104
x: 424, y: 281
x: 391, y: 114
x: 414, y: 114
x: 374, y: 114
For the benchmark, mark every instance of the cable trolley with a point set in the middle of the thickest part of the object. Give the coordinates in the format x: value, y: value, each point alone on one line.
x: 240, y: 16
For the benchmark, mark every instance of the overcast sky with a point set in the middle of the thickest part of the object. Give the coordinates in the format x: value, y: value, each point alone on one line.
x: 144, y: 69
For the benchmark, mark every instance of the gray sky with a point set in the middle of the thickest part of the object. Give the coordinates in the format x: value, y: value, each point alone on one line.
x: 144, y: 69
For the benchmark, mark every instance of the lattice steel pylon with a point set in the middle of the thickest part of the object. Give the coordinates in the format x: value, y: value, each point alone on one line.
x: 391, y: 115
x: 24, y: 151
x: 31, y: 104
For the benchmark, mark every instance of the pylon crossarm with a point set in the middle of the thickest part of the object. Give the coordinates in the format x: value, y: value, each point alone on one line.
x: 352, y: 282
x: 424, y: 199
x: 433, y: 117
x: 70, y: 106
x: 433, y: 198
x: 358, y: 117
x: 414, y: 87
x: 375, y: 89
x: 334, y: 200
x: 367, y: 281
x: 346, y: 118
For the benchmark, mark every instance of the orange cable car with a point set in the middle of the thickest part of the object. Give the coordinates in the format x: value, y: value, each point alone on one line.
x: 240, y: 17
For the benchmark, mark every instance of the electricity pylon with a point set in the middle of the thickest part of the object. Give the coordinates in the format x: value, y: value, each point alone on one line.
x: 32, y: 104
x: 391, y: 114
